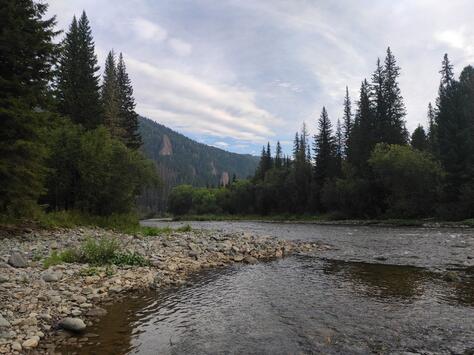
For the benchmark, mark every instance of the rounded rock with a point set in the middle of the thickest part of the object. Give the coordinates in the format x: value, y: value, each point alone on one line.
x: 72, y: 324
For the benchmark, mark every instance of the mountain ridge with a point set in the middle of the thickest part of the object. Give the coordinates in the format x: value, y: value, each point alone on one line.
x: 182, y: 160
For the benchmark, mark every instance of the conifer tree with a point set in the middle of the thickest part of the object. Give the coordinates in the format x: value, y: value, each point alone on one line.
x: 339, y: 147
x: 27, y: 54
x: 128, y: 116
x: 394, y: 106
x: 78, y: 82
x: 419, y: 139
x: 324, y: 150
x: 347, y: 123
x: 278, y: 156
x: 431, y: 135
x: 110, y: 98
x: 363, y: 136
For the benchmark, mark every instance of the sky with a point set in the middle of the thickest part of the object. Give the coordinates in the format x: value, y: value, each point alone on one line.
x: 238, y: 73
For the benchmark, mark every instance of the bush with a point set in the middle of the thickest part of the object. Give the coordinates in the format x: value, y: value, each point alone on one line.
x: 411, y: 179
x: 180, y: 200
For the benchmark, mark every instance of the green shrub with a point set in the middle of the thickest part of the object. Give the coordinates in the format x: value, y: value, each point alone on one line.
x: 96, y: 252
x: 130, y: 258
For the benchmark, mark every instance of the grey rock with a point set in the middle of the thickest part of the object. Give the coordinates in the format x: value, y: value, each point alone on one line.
x: 72, y: 324
x: 96, y: 312
x: 3, y: 322
x: 16, y: 259
x: 3, y: 279
x: 50, y: 276
x: 250, y: 260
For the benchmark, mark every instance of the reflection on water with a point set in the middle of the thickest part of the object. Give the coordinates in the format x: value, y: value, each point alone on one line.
x: 296, y: 305
x: 381, y: 281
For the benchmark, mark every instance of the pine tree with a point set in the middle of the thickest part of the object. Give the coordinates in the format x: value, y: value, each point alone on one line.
x: 324, y: 150
x: 363, y: 135
x: 78, y: 83
x: 278, y: 156
x: 128, y: 116
x: 27, y: 54
x: 110, y: 98
x: 347, y: 123
x: 432, y: 135
x: 394, y: 106
x: 419, y: 139
x: 339, y: 148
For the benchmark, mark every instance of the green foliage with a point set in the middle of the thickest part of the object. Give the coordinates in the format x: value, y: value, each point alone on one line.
x: 97, y: 252
x: 129, y: 258
x: 27, y: 54
x: 77, y: 81
x: 94, y: 173
x: 410, y: 178
x: 181, y: 199
x: 419, y: 139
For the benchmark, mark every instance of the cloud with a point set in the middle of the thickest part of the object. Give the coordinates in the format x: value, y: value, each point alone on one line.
x: 186, y: 101
x: 221, y: 144
x: 180, y: 47
x: 146, y: 30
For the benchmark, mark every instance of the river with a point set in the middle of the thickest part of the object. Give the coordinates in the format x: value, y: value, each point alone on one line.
x: 377, y: 290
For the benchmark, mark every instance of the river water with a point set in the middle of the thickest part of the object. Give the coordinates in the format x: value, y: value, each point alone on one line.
x: 377, y: 290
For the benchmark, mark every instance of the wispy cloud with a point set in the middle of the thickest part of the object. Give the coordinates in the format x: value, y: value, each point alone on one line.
x: 148, y: 31
x: 198, y: 106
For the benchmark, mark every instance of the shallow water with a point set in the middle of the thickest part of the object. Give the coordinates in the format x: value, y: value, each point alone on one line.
x: 380, y: 290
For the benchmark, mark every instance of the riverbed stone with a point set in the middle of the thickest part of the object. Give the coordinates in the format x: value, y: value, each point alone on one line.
x: 17, y: 260
x: 4, y: 323
x: 250, y: 260
x: 72, y: 324
x: 31, y: 342
x: 51, y: 276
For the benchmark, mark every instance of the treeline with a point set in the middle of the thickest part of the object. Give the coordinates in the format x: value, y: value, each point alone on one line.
x: 368, y: 166
x: 67, y: 140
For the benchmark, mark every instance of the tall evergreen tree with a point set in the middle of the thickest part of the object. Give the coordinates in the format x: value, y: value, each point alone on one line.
x: 431, y: 135
x: 419, y: 139
x: 78, y: 81
x: 363, y: 137
x: 111, y: 99
x: 278, y: 156
x: 324, y: 150
x: 347, y: 123
x: 394, y: 105
x: 27, y: 54
x: 128, y: 116
x: 339, y: 147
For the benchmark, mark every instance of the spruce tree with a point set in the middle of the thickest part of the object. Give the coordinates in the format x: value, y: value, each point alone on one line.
x: 394, y: 105
x: 128, y: 116
x: 347, y: 123
x: 78, y: 82
x: 324, y: 150
x: 278, y: 156
x: 27, y: 54
x: 363, y: 135
x: 432, y: 135
x: 419, y: 139
x: 110, y: 98
x: 339, y: 148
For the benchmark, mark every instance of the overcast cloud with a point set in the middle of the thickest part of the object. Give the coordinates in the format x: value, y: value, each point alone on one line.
x: 236, y: 73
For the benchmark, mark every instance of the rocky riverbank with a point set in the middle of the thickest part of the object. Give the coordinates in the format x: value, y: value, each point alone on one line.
x: 40, y: 307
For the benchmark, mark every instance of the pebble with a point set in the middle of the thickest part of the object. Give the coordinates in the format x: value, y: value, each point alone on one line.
x: 4, y: 323
x: 31, y: 343
x: 17, y: 260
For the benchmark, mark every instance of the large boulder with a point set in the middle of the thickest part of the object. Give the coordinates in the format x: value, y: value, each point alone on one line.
x: 16, y: 259
x: 72, y: 324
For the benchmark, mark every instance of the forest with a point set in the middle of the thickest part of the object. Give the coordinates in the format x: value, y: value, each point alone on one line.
x: 68, y: 140
x: 368, y: 165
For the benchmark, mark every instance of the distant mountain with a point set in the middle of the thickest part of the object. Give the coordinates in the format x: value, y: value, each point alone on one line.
x: 181, y: 160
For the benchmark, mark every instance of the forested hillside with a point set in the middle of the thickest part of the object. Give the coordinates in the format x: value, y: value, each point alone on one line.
x: 181, y: 160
